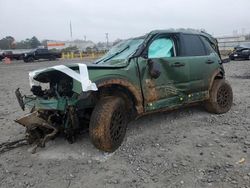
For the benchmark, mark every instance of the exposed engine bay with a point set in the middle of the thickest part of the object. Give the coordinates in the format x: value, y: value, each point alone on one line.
x: 59, y: 87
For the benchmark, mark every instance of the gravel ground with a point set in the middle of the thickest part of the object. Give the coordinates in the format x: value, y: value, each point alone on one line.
x: 184, y: 148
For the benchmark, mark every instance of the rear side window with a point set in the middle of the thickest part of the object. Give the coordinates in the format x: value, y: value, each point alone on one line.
x: 41, y: 51
x: 192, y: 46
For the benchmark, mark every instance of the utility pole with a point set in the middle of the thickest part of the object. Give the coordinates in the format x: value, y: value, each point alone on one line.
x: 107, y: 38
x: 70, y: 27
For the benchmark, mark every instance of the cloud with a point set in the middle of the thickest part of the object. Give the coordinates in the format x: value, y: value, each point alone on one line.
x: 49, y: 19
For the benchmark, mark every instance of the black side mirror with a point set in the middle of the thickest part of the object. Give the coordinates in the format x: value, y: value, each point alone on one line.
x: 154, y: 69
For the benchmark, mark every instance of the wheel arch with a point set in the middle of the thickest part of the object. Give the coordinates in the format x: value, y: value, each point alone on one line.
x: 217, y: 74
x: 122, y: 88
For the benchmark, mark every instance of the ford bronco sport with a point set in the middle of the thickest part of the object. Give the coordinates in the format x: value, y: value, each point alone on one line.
x: 160, y: 71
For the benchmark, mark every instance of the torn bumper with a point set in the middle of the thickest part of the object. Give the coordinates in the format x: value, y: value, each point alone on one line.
x: 59, y: 104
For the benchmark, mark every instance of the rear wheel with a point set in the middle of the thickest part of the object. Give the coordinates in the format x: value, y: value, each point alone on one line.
x: 28, y: 59
x: 108, y: 123
x: 52, y: 58
x: 221, y: 97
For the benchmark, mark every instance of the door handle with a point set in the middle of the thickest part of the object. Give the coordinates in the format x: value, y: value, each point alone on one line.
x: 209, y: 62
x: 178, y: 64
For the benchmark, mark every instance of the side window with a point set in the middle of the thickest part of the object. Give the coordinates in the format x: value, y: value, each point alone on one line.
x: 43, y: 51
x: 193, y: 46
x: 208, y: 46
x: 246, y: 51
x: 161, y: 47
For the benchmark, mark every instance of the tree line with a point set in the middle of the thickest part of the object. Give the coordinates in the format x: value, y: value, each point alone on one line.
x: 9, y: 42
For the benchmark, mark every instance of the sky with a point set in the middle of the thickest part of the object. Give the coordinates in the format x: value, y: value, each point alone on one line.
x: 50, y: 19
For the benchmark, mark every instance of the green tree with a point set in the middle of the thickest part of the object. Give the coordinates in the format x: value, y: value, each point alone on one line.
x: 28, y: 43
x: 70, y: 49
x: 23, y: 44
x: 34, y: 42
x: 7, y: 43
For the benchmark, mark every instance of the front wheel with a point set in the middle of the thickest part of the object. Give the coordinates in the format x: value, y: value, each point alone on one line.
x: 28, y: 59
x: 31, y: 59
x: 108, y: 123
x: 221, y: 97
x: 25, y: 60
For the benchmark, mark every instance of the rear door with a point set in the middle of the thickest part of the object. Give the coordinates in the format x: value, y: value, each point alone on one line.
x: 193, y: 53
x: 212, y: 64
x: 42, y: 54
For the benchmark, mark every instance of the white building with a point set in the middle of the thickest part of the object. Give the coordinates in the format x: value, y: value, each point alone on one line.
x: 80, y: 44
x: 229, y: 42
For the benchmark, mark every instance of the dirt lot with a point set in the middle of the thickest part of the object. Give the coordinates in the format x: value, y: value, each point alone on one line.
x: 185, y: 148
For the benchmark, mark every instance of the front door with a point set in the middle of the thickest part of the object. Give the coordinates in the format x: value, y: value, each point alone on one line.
x: 167, y: 89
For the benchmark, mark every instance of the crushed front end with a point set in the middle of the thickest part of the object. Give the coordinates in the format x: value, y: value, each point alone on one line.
x: 63, y: 108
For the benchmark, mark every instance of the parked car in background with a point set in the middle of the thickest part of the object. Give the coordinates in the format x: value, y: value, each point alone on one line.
x: 11, y: 55
x: 241, y: 52
x: 40, y: 53
x: 1, y: 56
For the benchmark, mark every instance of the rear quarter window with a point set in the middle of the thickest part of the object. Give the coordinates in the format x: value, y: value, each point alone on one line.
x: 208, y: 46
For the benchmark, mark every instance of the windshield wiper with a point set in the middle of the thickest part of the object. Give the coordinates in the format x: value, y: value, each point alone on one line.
x: 117, y: 53
x: 99, y: 61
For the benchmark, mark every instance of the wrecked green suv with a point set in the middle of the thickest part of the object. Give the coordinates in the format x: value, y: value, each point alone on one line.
x: 160, y: 71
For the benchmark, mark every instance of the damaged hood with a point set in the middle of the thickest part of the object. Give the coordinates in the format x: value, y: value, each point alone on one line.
x: 79, y: 72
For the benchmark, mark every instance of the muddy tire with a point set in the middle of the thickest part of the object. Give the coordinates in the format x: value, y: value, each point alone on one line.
x: 221, y: 97
x: 108, y: 123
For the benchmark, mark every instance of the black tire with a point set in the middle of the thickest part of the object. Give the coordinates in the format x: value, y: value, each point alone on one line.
x: 221, y: 97
x: 31, y: 59
x: 108, y: 123
x: 28, y: 59
x: 52, y: 58
x: 25, y: 60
